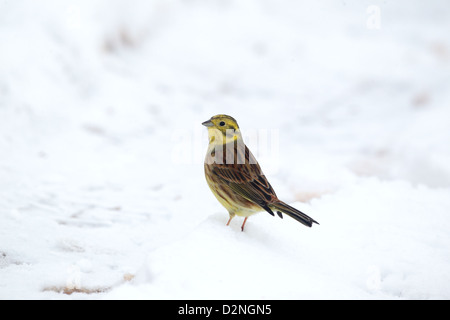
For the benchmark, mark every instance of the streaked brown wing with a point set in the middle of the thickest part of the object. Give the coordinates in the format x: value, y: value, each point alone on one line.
x: 246, y: 179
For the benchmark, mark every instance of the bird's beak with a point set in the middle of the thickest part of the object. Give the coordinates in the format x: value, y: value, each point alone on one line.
x: 208, y: 123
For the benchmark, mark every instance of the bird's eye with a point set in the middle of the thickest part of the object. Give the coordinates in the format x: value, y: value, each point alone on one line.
x: 222, y: 123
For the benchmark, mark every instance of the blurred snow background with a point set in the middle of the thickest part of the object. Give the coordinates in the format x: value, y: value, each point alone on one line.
x: 102, y: 193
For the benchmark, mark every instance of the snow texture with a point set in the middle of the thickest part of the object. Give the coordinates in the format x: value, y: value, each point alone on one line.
x: 346, y: 104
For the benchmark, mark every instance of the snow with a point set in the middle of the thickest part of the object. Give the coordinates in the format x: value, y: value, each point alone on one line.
x: 102, y: 193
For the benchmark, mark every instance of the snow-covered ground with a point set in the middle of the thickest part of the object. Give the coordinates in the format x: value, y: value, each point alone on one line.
x: 345, y: 103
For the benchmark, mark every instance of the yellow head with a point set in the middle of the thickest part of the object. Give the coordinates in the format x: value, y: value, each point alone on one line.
x: 222, y: 129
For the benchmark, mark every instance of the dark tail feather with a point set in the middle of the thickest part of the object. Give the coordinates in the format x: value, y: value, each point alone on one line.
x: 293, y: 213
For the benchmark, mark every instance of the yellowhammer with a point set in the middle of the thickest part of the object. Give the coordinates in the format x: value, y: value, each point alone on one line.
x: 235, y: 177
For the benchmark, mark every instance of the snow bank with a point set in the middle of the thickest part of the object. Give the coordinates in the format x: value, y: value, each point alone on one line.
x: 102, y: 194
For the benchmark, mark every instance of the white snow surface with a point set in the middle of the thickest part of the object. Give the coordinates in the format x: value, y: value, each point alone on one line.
x: 102, y: 190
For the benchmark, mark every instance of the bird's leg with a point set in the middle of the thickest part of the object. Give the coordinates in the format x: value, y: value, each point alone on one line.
x: 245, y: 220
x: 231, y: 217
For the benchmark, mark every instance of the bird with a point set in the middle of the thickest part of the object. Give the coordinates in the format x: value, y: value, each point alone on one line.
x: 235, y: 177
